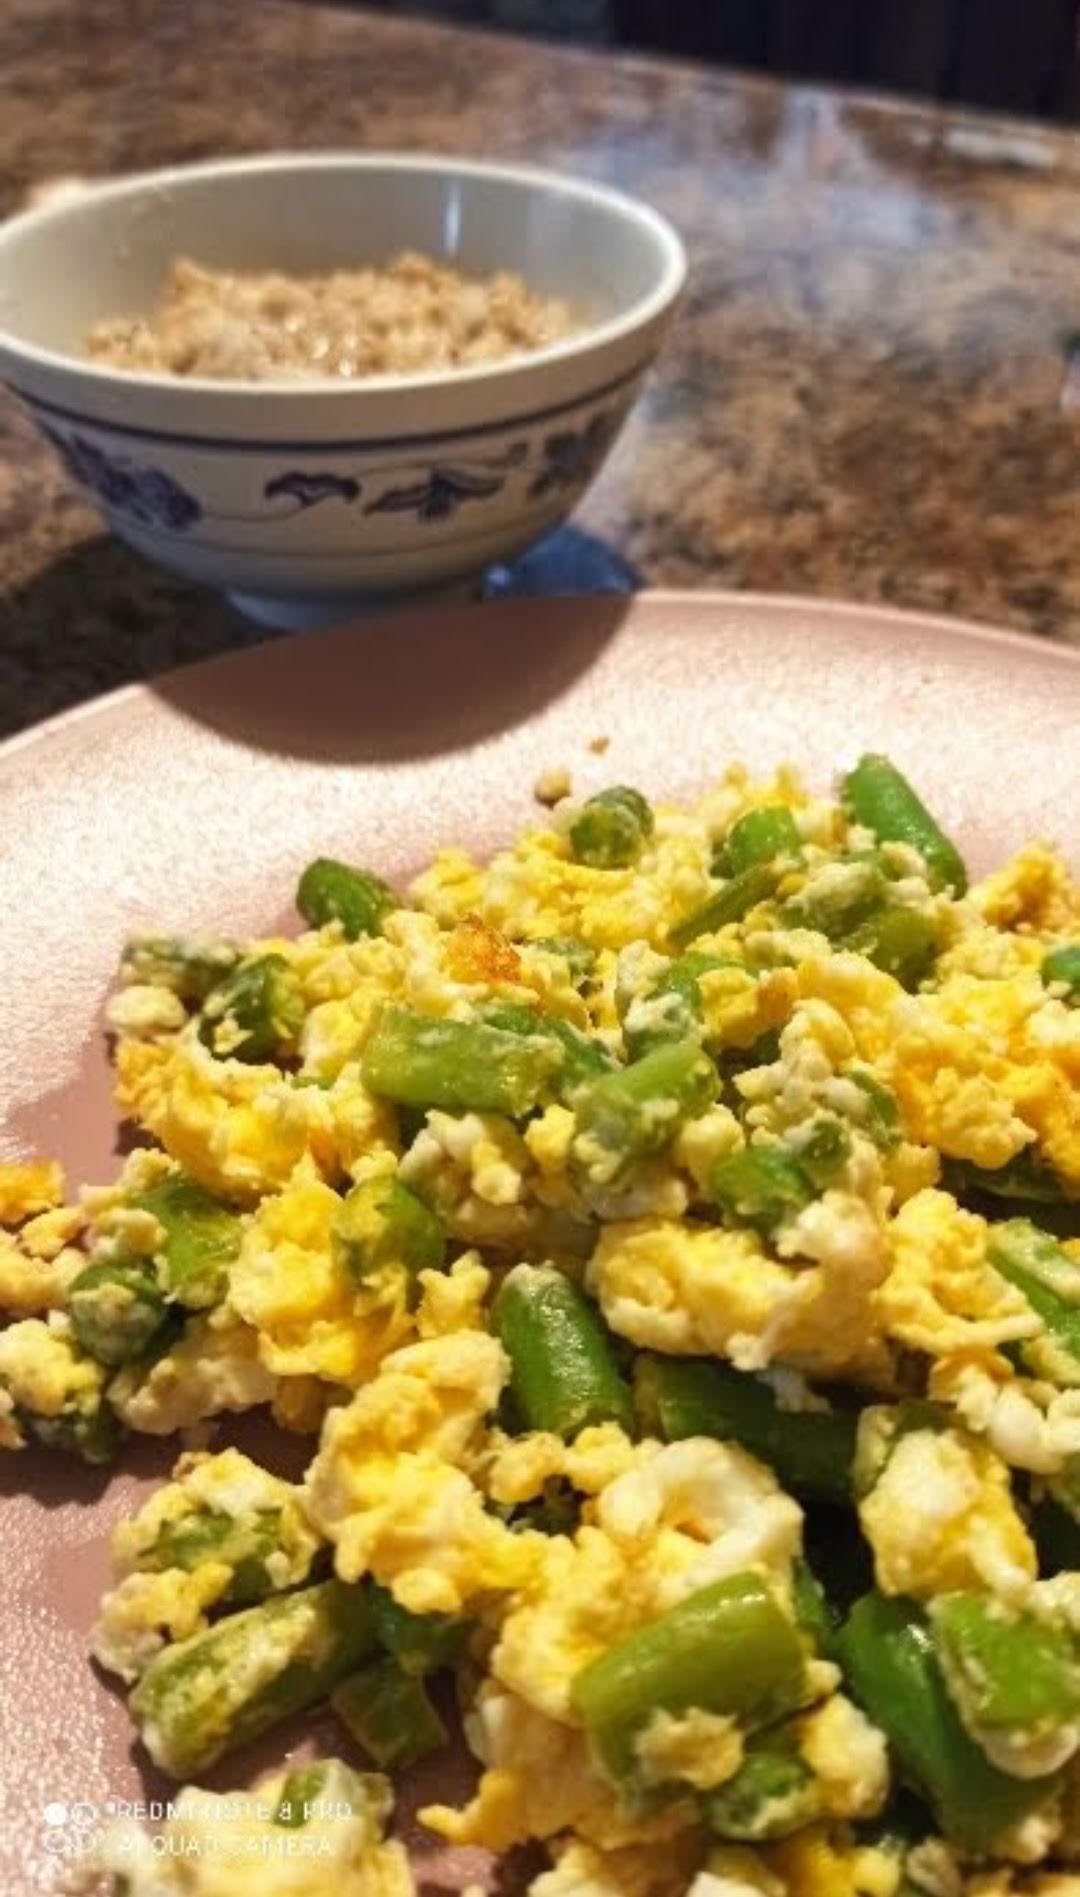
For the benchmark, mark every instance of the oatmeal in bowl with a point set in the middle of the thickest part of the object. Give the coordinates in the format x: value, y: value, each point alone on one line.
x: 411, y: 314
x: 313, y: 380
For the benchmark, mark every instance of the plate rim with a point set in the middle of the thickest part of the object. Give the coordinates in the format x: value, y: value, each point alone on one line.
x: 906, y: 619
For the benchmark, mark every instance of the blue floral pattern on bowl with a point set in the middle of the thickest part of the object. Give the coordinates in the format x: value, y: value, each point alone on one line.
x: 146, y: 495
x: 572, y: 456
x: 309, y: 490
x: 439, y: 492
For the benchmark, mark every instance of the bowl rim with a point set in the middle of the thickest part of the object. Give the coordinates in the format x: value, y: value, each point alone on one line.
x: 671, y: 256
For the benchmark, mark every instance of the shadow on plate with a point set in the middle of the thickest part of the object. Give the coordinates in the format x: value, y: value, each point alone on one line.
x: 406, y: 685
x: 97, y: 618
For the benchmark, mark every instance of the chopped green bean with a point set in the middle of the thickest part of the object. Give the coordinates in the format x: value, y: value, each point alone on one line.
x: 759, y: 836
x: 204, y: 1696
x: 116, y: 1309
x: 303, y: 1788
x: 202, y: 1238
x: 822, y: 1149
x: 813, y: 1609
x: 624, y: 1116
x: 381, y: 1224
x: 244, y: 1544
x: 672, y: 1009
x: 812, y: 1452
x: 188, y: 965
x: 897, y: 939
x: 839, y: 900
x: 1061, y: 968
x: 773, y: 1793
x: 882, y: 1115
x: 460, y: 1066
x: 729, y: 1649
x: 760, y: 1186
x: 88, y: 1429
x: 1005, y: 1670
x: 255, y: 1013
x: 611, y: 829
x: 880, y: 798
x: 388, y: 1712
x: 1022, y: 1179
x: 420, y: 1643
x: 563, y: 1371
x: 329, y: 891
x: 1042, y: 1271
x: 887, y: 1652
x: 581, y: 1057
x: 730, y: 903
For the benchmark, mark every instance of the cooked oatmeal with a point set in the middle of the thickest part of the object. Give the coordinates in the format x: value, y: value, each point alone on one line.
x: 409, y: 315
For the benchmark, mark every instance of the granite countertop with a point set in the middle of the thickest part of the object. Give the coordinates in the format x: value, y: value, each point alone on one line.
x: 867, y: 393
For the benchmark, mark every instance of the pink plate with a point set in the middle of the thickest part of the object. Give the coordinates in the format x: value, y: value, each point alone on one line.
x: 193, y: 802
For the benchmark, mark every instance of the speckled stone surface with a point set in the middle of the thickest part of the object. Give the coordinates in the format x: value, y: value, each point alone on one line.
x: 866, y: 394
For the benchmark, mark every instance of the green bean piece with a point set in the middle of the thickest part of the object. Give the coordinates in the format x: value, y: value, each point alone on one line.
x: 582, y: 1058
x: 1022, y: 1179
x: 880, y: 798
x: 624, y: 1116
x: 674, y: 1005
x: 813, y: 1610
x: 760, y: 1186
x: 256, y: 1013
x: 611, y: 829
x: 563, y: 1372
x: 382, y: 1224
x: 205, y: 1696
x: 760, y: 836
x: 89, y: 1430
x: 188, y: 965
x: 882, y: 1123
x: 420, y: 1643
x: 729, y: 1649
x: 579, y: 957
x: 730, y: 903
x: 116, y: 1310
x: 887, y: 1652
x: 460, y: 1066
x: 839, y: 904
x: 899, y: 940
x: 773, y: 1793
x: 388, y: 1712
x: 1062, y: 969
x: 245, y: 1545
x: 1006, y: 1671
x: 812, y: 1452
x: 824, y: 1148
x: 1049, y: 1279
x: 329, y: 891
x: 302, y: 1789
x: 202, y: 1238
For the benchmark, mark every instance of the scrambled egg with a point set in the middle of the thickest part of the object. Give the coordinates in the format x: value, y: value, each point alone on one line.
x: 390, y: 1486
x: 941, y: 1514
x: 887, y: 1061
x: 292, y: 1288
x: 224, y: 1527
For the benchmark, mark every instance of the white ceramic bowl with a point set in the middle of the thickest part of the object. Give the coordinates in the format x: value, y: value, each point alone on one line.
x: 295, y: 498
